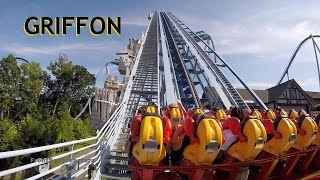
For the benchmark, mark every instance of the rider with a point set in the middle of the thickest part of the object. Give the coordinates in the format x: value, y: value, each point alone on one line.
x: 134, y: 132
x: 230, y: 138
x: 176, y: 125
x: 181, y: 139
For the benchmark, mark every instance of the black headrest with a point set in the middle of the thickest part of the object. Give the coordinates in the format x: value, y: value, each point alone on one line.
x: 277, y: 121
x: 206, y: 116
x: 244, y: 121
x: 151, y: 114
x: 300, y: 120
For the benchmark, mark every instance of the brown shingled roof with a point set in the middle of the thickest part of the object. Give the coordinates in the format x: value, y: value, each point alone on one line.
x: 313, y: 95
x: 262, y: 94
x: 275, y: 91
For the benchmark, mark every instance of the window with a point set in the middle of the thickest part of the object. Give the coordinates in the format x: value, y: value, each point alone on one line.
x: 293, y: 93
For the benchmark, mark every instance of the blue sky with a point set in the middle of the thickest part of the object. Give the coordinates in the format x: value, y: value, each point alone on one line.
x: 256, y: 38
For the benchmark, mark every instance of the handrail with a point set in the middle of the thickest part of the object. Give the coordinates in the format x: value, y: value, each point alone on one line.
x: 105, y: 131
x: 14, y: 153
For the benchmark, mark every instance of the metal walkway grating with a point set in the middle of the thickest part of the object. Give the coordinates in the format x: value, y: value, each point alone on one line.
x: 144, y: 91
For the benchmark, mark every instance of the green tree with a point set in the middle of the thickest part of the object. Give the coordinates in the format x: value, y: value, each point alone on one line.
x: 10, y: 79
x: 32, y: 82
x: 33, y: 132
x: 8, y: 142
x: 36, y: 107
x: 316, y: 107
x: 8, y: 135
x: 72, y: 84
x: 20, y: 87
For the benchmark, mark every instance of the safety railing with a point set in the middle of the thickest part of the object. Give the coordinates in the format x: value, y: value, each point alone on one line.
x: 105, y: 139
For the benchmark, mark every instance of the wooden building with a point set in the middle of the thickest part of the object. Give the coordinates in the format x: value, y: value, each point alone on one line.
x: 287, y: 95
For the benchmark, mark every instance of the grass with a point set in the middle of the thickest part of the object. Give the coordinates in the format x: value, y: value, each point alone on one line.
x: 75, y: 155
x: 20, y: 175
x: 17, y: 176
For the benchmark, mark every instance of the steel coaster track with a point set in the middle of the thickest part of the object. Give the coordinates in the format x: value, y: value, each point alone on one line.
x: 170, y: 91
x: 298, y: 48
x: 185, y: 83
x: 235, y: 96
x: 145, y: 80
x: 194, y: 68
x: 230, y: 91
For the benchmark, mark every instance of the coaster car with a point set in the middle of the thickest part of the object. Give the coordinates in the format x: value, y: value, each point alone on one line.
x: 307, y: 131
x: 149, y: 150
x: 210, y: 138
x: 252, y: 137
x: 283, y: 132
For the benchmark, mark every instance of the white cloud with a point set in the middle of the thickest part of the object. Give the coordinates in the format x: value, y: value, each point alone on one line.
x: 54, y: 49
x: 256, y: 85
x: 309, y: 82
x: 271, y: 33
x: 136, y: 21
x: 267, y: 40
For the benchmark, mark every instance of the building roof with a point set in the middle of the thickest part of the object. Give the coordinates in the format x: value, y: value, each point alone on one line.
x: 263, y: 94
x: 313, y: 95
x: 273, y: 93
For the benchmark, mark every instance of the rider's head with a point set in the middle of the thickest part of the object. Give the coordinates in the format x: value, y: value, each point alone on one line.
x: 197, y: 113
x: 237, y: 112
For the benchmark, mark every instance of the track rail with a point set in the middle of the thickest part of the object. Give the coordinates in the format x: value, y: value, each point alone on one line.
x: 221, y: 78
x: 296, y: 51
x: 178, y: 61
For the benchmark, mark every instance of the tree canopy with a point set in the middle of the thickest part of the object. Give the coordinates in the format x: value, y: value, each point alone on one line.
x: 37, y: 105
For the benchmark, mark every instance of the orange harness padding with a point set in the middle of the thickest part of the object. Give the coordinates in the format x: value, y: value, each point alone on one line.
x: 167, y: 129
x: 135, y: 128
